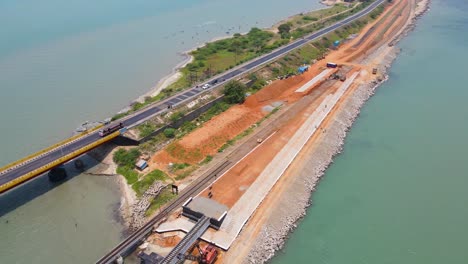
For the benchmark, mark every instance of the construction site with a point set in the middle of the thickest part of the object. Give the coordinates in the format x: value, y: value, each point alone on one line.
x: 296, y: 125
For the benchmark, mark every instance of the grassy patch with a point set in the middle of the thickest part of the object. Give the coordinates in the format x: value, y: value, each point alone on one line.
x: 219, y: 56
x: 146, y: 181
x: 164, y: 197
x: 176, y: 116
x: 186, y: 128
x: 118, y: 116
x: 226, y: 145
x: 318, y: 14
x: 186, y: 172
x: 129, y: 174
x: 179, y: 166
x: 216, y: 109
x: 125, y: 157
x: 152, y: 144
x: 146, y: 129
x: 243, y: 134
x: 207, y: 160
x: 225, y: 59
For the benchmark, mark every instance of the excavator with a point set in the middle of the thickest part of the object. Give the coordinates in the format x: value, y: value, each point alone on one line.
x: 207, y: 255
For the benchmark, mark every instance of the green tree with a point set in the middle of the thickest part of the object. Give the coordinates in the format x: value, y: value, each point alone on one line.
x: 169, y: 132
x: 176, y: 116
x: 234, y: 92
x: 253, y: 77
x: 284, y: 28
x: 201, y: 64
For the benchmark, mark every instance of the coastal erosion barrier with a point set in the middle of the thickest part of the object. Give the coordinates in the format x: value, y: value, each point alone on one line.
x: 186, y: 118
x: 243, y: 209
x: 139, y: 209
x: 253, y: 197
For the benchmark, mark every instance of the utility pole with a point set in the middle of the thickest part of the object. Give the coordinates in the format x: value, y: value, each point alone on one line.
x: 192, y: 77
x: 235, y: 56
x: 209, y: 71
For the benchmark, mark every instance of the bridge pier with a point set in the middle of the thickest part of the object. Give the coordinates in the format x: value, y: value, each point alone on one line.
x: 125, y: 141
x: 57, y: 174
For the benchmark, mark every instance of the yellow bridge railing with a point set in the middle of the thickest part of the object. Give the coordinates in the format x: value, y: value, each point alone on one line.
x: 38, y: 171
x: 63, y: 142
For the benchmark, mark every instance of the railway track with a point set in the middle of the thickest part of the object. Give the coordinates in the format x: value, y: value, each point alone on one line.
x: 138, y: 236
x: 177, y: 253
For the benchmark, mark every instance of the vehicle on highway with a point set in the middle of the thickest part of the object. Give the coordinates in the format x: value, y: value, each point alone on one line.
x: 205, y: 86
x: 108, y: 130
x: 15, y: 175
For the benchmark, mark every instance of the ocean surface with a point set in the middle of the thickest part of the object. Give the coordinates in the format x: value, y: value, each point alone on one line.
x: 66, y: 62
x: 398, y: 193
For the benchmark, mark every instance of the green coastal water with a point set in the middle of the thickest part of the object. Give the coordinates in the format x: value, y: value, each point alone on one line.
x: 398, y: 192
x: 65, y: 62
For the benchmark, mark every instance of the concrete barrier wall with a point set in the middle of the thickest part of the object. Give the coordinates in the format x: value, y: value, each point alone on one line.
x: 188, y: 117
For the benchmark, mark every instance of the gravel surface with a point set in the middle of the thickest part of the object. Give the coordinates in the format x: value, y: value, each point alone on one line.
x: 139, y: 209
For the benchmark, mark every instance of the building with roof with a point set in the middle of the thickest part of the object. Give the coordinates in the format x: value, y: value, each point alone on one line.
x: 196, y: 208
x: 141, y: 164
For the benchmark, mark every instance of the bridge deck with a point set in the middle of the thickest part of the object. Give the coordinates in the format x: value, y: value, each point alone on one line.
x: 176, y: 255
x: 26, y: 169
x: 29, y: 169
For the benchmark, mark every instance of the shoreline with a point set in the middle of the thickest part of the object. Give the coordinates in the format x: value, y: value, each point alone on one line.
x: 127, y: 200
x: 279, y: 225
x: 275, y: 233
x: 331, y: 2
x: 128, y: 196
x: 175, y: 73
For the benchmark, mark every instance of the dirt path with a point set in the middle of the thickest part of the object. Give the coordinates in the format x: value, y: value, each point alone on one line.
x: 272, y: 212
x: 288, y: 199
x: 233, y: 184
x: 207, y: 139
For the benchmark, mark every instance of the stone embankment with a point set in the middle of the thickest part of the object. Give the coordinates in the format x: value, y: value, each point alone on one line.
x: 421, y: 8
x: 139, y: 209
x: 282, y: 222
x: 273, y: 236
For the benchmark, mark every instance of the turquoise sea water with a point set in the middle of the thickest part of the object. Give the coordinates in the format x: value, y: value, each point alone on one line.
x: 398, y: 193
x: 65, y: 62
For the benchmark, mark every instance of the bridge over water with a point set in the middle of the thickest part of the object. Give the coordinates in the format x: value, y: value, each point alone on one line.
x: 36, y: 164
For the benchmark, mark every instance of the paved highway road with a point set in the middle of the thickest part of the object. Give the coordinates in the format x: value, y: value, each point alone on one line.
x: 161, y: 107
x: 193, y: 189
